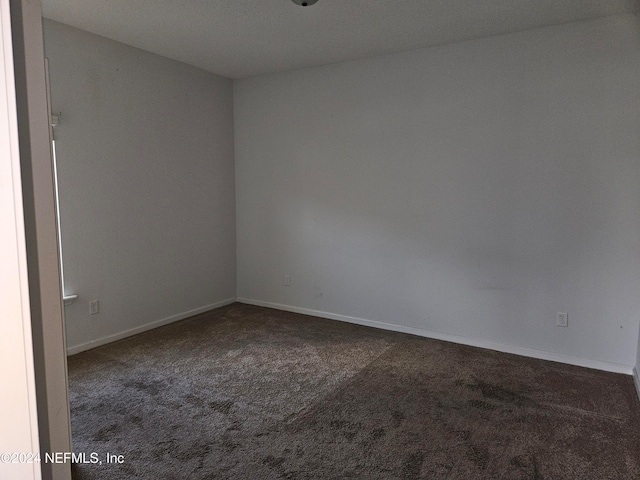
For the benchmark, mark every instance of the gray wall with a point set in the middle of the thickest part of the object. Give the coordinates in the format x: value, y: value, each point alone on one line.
x: 146, y: 178
x: 469, y: 191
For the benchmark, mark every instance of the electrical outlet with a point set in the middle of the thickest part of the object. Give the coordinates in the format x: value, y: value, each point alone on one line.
x: 287, y: 281
x: 562, y: 319
x: 93, y: 307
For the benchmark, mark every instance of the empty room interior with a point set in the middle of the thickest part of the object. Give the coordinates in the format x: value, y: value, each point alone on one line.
x: 363, y: 239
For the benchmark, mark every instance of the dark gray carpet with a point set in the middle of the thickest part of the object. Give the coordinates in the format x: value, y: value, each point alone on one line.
x: 252, y: 393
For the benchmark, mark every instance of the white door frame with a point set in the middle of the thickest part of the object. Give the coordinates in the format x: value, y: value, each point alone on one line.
x: 18, y: 415
x: 35, y: 235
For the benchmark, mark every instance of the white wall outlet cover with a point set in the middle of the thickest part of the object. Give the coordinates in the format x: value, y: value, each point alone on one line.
x: 93, y: 307
x: 562, y: 319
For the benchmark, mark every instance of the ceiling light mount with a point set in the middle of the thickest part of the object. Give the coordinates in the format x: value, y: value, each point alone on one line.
x: 304, y: 3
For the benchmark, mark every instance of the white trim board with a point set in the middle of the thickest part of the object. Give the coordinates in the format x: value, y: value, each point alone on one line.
x: 148, y: 326
x: 525, y: 352
x: 636, y: 380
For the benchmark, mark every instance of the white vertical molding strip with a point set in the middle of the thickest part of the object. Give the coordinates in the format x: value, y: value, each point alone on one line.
x: 18, y: 415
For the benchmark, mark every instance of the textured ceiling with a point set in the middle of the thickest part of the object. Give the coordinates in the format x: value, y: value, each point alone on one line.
x: 241, y: 38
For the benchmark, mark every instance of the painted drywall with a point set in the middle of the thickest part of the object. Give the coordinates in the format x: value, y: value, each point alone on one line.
x: 146, y: 180
x: 471, y: 190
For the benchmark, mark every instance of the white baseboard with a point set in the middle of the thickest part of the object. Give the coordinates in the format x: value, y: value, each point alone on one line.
x: 636, y: 380
x: 526, y: 352
x: 148, y: 326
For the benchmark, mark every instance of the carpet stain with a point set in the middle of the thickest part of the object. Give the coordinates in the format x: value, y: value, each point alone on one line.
x: 192, y: 451
x: 234, y: 427
x: 134, y: 419
x: 462, y: 435
x: 412, y: 466
x: 496, y: 392
x: 221, y: 407
x: 528, y: 465
x: 347, y: 429
x: 151, y: 387
x: 230, y: 446
x: 273, y: 462
x: 162, y: 448
x: 194, y: 400
x: 479, y: 455
x: 398, y: 418
x: 107, y: 433
x: 481, y: 404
